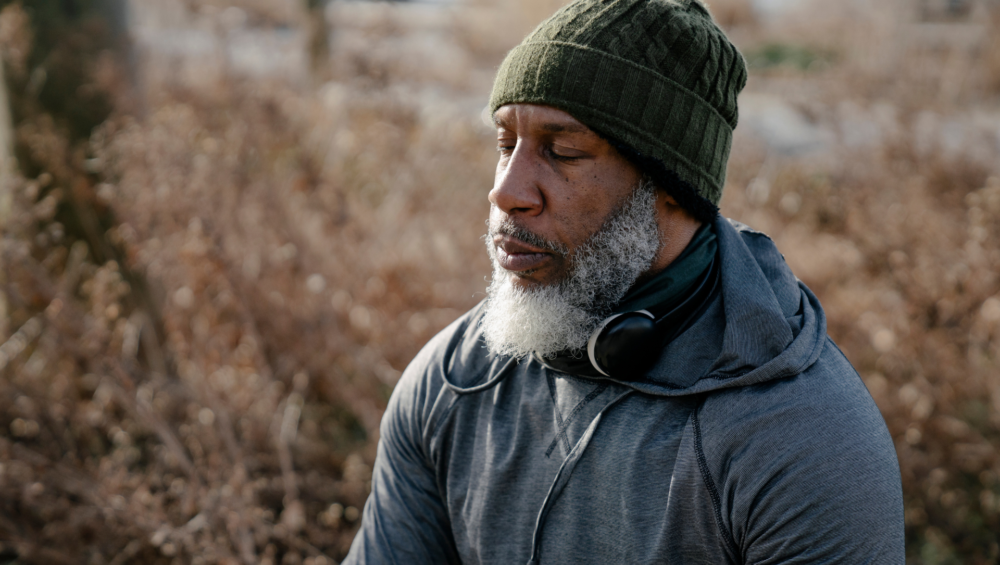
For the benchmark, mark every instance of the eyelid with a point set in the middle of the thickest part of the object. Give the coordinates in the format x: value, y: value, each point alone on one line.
x: 576, y: 153
x: 506, y: 144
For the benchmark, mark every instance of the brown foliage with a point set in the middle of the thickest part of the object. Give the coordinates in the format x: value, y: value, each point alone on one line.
x: 206, y: 304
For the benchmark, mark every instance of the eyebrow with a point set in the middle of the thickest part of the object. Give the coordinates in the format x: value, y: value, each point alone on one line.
x: 565, y: 128
x: 551, y: 127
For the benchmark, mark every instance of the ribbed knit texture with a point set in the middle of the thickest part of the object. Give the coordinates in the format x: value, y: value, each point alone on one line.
x: 657, y: 75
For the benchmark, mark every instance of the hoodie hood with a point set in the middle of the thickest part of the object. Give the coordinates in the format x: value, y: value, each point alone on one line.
x: 762, y: 325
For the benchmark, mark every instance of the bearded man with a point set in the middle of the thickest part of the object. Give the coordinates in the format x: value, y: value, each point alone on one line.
x: 647, y: 382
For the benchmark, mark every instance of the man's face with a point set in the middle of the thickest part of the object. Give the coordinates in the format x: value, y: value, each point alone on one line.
x: 555, y: 179
x: 572, y: 227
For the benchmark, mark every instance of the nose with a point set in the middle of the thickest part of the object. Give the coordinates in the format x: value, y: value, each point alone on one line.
x: 516, y: 189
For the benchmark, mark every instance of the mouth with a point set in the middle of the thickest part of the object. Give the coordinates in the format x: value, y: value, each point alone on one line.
x: 519, y: 257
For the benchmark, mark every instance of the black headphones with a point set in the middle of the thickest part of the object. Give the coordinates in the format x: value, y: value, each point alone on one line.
x: 625, y: 346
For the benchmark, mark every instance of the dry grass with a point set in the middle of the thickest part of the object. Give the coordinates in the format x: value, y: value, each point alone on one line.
x: 207, y: 302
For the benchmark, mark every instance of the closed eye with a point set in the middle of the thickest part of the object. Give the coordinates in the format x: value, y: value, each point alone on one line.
x: 505, y: 148
x: 564, y: 158
x: 565, y: 154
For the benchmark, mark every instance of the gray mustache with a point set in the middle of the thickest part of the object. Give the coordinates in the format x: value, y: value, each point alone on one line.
x: 510, y: 228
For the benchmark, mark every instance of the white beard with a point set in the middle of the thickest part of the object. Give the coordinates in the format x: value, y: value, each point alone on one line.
x: 560, y: 317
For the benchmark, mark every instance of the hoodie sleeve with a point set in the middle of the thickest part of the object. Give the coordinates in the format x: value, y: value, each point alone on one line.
x: 405, y: 521
x: 805, y: 470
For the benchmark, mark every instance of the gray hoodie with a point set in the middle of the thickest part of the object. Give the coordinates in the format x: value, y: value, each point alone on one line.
x: 752, y: 440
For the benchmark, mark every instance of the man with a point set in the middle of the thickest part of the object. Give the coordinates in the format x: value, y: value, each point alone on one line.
x: 646, y: 382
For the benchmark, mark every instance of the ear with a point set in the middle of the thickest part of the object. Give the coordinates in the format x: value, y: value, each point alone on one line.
x: 667, y: 201
x: 673, y: 214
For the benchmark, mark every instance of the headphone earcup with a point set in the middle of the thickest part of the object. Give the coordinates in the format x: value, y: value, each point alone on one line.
x: 625, y: 346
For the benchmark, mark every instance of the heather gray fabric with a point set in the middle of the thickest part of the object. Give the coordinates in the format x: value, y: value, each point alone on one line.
x: 753, y: 440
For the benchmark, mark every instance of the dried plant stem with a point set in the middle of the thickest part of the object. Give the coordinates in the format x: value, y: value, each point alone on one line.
x: 141, y: 409
x: 291, y: 411
x: 23, y: 337
x: 241, y: 536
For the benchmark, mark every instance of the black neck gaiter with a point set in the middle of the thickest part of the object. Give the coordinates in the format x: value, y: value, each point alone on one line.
x: 671, y: 286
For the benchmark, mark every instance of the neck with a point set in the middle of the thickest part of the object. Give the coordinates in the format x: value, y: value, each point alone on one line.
x: 677, y: 227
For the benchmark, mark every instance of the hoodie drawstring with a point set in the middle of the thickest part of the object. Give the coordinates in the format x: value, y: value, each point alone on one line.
x: 562, y: 476
x: 501, y: 375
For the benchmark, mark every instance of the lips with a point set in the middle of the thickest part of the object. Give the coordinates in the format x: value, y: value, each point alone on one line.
x: 517, y: 256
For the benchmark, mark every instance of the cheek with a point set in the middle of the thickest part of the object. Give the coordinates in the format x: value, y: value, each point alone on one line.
x: 588, y: 206
x: 578, y: 221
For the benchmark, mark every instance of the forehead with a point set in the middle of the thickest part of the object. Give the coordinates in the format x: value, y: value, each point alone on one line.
x: 535, y: 117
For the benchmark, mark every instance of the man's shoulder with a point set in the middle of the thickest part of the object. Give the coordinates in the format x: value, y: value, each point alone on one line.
x: 824, y: 413
x: 813, y: 446
x: 828, y: 391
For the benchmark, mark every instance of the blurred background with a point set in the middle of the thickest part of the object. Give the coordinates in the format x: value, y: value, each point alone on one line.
x: 228, y: 225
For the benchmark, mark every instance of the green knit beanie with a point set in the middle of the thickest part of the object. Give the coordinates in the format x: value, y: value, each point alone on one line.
x: 658, y: 76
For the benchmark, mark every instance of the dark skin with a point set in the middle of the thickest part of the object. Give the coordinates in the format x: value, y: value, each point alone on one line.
x: 559, y: 180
